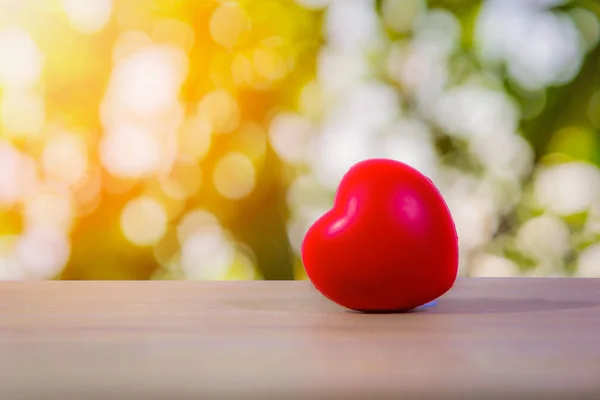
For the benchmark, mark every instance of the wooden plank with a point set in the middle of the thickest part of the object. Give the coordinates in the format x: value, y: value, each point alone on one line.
x: 487, y: 338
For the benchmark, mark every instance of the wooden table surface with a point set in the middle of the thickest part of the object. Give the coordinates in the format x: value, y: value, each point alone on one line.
x: 487, y: 338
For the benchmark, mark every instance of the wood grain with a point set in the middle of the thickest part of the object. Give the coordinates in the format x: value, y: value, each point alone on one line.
x: 487, y: 338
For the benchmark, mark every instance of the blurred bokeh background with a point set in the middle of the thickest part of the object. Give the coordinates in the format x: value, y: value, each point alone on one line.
x: 199, y: 139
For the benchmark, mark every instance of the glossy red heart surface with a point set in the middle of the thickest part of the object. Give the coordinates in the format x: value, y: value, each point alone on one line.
x: 388, y: 244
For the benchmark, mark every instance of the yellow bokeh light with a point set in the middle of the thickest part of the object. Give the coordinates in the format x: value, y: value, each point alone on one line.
x: 251, y: 140
x: 18, y: 174
x: 167, y: 196
x: 129, y: 43
x: 114, y: 184
x: 220, y: 71
x: 43, y: 252
x: 277, y: 18
x: 269, y: 63
x: 130, y: 152
x: 173, y: 189
x: 242, y: 70
x: 88, y: 16
x: 242, y: 268
x: 10, y: 269
x: 195, y: 138
x: 144, y: 221
x: 22, y: 113
x: 86, y: 194
x: 195, y: 222
x: 147, y: 81
x: 207, y: 255
x: 310, y: 101
x: 188, y: 176
x: 10, y: 165
x: 20, y: 59
x: 165, y: 251
x: 290, y: 135
x: 234, y: 176
x: 401, y: 15
x: 228, y: 24
x: 64, y: 158
x: 220, y: 110
x: 49, y: 207
x: 176, y: 32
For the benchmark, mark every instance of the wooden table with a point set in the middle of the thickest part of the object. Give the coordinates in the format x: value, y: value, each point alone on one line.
x: 487, y: 338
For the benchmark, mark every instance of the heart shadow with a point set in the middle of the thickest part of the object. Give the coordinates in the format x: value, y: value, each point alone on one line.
x: 495, y: 306
x: 490, y: 306
x: 419, y: 309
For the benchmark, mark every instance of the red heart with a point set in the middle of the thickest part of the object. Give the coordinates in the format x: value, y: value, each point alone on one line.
x: 388, y: 244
